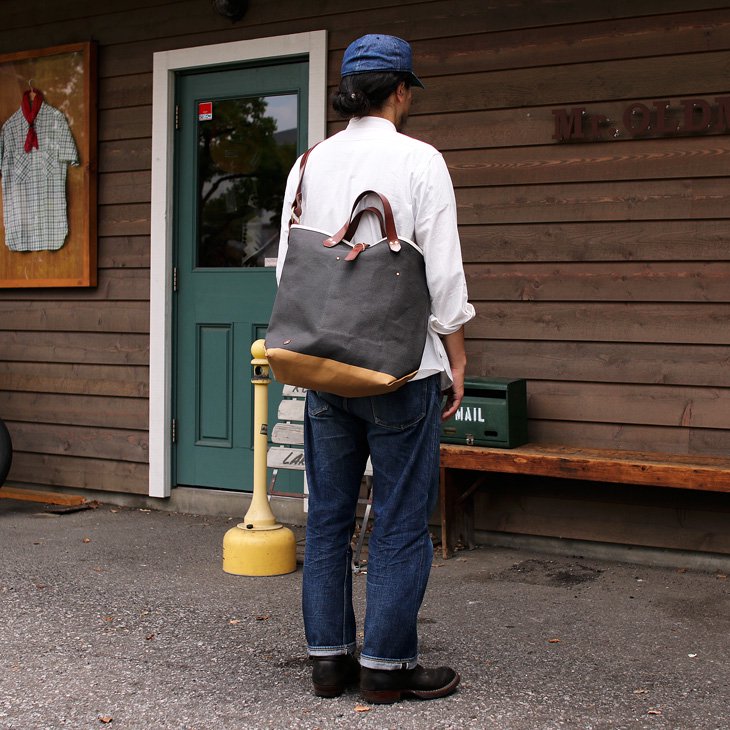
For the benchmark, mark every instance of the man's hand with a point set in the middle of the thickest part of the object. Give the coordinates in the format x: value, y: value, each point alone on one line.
x: 454, y: 396
x: 454, y: 344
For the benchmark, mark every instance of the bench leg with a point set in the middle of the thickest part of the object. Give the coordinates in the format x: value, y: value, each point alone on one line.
x: 457, y: 511
x: 452, y: 513
x: 446, y: 497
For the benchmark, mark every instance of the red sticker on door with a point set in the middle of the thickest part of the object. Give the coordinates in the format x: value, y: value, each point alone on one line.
x: 205, y: 111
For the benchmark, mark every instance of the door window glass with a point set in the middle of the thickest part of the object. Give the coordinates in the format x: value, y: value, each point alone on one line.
x: 246, y: 147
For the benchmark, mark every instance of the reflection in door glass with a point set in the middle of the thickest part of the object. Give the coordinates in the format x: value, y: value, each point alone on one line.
x: 246, y: 147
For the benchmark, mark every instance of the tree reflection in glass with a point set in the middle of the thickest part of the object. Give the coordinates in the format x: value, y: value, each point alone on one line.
x: 245, y: 153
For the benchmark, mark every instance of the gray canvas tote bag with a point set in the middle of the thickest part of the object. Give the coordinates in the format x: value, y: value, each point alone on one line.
x: 349, y: 318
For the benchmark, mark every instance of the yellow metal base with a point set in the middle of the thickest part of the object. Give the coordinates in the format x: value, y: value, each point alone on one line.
x: 259, y: 552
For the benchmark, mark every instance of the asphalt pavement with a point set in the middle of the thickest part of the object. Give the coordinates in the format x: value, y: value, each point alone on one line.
x: 123, y: 618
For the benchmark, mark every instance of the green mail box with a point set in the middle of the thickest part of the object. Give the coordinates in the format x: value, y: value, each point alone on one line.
x: 493, y: 413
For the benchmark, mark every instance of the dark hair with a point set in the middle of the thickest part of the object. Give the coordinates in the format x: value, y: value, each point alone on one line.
x: 359, y: 93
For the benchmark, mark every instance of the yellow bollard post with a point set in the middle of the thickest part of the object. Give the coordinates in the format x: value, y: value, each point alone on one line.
x: 259, y: 545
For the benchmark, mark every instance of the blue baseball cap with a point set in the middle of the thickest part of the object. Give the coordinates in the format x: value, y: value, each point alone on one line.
x: 379, y: 53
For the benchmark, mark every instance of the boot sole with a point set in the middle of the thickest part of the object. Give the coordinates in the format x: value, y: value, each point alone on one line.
x: 328, y: 691
x: 388, y: 696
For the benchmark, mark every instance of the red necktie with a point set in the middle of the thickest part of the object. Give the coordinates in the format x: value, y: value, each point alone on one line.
x: 30, y: 112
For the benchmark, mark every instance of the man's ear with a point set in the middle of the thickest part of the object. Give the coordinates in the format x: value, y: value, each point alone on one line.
x: 402, y: 90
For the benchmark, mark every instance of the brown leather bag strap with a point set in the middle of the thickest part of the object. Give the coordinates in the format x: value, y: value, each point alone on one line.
x: 296, y: 205
x: 389, y: 226
x: 347, y: 231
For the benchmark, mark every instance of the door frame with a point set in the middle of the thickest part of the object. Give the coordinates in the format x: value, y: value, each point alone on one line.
x: 166, y: 65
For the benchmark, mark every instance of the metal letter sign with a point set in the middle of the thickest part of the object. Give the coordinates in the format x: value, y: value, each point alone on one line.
x: 657, y: 118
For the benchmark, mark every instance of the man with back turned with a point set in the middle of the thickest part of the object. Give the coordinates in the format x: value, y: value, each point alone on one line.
x: 400, y: 430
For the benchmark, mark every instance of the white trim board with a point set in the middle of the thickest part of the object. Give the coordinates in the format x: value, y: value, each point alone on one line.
x: 165, y: 65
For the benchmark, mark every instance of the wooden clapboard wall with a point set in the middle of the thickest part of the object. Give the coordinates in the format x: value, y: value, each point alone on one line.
x: 599, y: 271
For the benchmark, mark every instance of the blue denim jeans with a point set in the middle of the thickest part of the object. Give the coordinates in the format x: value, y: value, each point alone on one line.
x: 400, y: 431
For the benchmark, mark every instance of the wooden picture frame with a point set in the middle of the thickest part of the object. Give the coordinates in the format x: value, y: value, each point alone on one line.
x: 66, y: 76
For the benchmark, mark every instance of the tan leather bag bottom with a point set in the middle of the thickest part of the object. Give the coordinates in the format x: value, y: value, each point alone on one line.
x: 330, y: 376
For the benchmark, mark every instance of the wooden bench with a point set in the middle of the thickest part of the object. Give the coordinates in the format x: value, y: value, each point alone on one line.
x: 288, y: 453
x: 707, y: 473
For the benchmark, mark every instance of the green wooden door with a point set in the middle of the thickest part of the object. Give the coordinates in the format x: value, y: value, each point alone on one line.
x: 239, y: 132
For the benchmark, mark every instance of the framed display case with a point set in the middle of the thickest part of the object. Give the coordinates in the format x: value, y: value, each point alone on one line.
x: 66, y: 78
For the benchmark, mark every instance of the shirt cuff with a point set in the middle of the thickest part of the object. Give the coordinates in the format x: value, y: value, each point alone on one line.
x: 454, y: 322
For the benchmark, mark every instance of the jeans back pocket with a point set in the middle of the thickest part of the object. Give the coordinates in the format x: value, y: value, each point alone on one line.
x: 404, y: 408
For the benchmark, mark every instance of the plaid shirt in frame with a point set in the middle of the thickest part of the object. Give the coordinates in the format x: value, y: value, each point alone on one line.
x: 34, y: 183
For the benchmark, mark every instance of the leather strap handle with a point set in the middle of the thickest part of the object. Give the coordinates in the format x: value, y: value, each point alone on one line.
x: 296, y: 205
x: 347, y: 231
x: 389, y: 226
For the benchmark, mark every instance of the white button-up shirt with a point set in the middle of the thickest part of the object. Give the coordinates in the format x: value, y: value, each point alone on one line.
x: 371, y: 155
